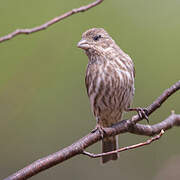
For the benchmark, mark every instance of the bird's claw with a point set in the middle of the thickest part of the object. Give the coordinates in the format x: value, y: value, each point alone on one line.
x: 100, y: 130
x: 142, y: 112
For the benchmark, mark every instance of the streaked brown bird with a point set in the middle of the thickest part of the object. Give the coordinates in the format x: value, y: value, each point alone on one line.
x: 109, y: 82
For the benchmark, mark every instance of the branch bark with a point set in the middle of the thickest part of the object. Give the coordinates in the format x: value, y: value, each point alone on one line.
x: 51, y: 22
x: 129, y: 125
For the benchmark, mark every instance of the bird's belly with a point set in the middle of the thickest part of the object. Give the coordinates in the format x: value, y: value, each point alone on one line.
x: 108, y: 106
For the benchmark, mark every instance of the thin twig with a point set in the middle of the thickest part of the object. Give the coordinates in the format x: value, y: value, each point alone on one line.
x: 149, y: 141
x: 51, y: 22
x: 121, y: 127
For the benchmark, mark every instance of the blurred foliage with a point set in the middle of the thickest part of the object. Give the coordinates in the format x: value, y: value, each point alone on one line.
x: 43, y: 101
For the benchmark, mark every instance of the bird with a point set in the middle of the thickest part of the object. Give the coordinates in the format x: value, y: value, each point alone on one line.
x: 109, y: 82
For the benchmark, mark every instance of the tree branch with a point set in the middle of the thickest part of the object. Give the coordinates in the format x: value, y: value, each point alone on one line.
x: 51, y: 22
x: 121, y: 127
x: 149, y: 141
x: 159, y: 101
x: 147, y: 130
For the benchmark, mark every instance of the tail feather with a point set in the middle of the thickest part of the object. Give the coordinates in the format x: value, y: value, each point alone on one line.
x: 109, y: 144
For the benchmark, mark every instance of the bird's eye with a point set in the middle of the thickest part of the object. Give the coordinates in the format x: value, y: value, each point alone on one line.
x: 97, y: 37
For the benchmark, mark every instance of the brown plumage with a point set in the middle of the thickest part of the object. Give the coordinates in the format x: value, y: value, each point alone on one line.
x: 109, y: 82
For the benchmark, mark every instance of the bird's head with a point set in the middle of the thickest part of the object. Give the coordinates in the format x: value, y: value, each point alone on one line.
x: 96, y: 39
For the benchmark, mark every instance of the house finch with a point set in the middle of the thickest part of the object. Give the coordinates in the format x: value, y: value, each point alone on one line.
x: 109, y: 82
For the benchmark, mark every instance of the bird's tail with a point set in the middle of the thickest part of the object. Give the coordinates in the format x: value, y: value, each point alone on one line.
x: 109, y: 144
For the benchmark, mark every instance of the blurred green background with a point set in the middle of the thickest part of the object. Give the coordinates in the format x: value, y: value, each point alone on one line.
x: 43, y: 101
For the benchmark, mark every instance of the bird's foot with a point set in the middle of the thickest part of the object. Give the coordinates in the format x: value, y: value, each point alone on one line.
x: 142, y: 112
x: 100, y: 129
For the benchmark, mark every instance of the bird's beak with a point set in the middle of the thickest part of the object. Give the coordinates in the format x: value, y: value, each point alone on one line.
x: 83, y: 44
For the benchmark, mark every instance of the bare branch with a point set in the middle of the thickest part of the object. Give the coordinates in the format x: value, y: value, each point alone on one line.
x: 121, y: 127
x: 149, y: 141
x: 51, y: 22
x: 159, y: 101
x: 147, y: 130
